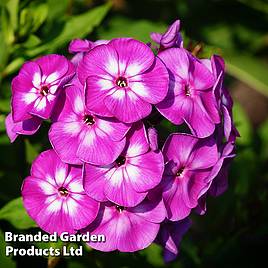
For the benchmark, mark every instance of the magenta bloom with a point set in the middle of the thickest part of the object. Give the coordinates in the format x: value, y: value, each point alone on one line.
x: 80, y: 135
x: 187, y: 173
x: 219, y: 173
x: 190, y: 97
x: 170, y: 236
x: 25, y: 127
x: 36, y: 88
x: 127, y: 229
x: 171, y: 38
x: 54, y: 197
x: 127, y: 181
x: 80, y: 47
x: 224, y: 100
x: 123, y: 79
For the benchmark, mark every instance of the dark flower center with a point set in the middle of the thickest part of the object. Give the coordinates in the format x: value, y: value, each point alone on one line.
x: 89, y: 120
x: 44, y: 90
x: 63, y: 191
x: 179, y: 172
x: 187, y: 91
x: 121, y: 81
x: 120, y: 160
x: 119, y: 208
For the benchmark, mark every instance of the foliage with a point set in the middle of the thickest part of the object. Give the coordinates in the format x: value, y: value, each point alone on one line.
x: 234, y: 231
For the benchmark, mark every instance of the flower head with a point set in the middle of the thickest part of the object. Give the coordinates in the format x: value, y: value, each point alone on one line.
x: 127, y: 229
x: 127, y: 181
x: 187, y: 173
x: 53, y: 195
x: 190, y: 97
x: 123, y: 79
x: 80, y: 135
x: 36, y: 88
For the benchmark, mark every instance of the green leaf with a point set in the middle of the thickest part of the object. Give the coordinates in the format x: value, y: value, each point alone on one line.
x: 153, y: 255
x: 13, y: 66
x: 123, y: 27
x: 5, y: 261
x: 259, y: 5
x: 243, y: 125
x: 2, y: 122
x: 8, y: 32
x: 5, y: 105
x: 249, y: 70
x: 9, y: 20
x: 32, y: 41
x: 76, y: 27
x: 57, y: 8
x: 12, y: 7
x: 262, y: 132
x: 40, y: 13
x: 15, y: 213
x: 31, y: 152
x: 32, y: 17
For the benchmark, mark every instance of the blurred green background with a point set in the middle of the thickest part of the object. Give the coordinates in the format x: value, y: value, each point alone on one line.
x: 234, y: 231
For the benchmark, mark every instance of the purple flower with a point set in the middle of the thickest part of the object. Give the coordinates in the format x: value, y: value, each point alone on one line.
x: 25, y: 127
x: 170, y: 236
x: 224, y: 100
x: 79, y: 47
x: 218, y: 177
x: 127, y: 229
x: 37, y: 86
x: 123, y: 79
x: 54, y: 197
x: 219, y: 173
x: 127, y: 181
x: 171, y: 38
x: 190, y: 97
x: 186, y: 176
x: 80, y: 135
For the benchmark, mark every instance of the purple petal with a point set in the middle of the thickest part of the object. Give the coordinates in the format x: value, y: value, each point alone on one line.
x: 53, y: 64
x: 119, y: 189
x: 137, y: 141
x: 97, y: 89
x: 124, y: 230
x: 101, y: 61
x: 145, y: 171
x: 152, y: 85
x: 79, y: 45
x: 177, y: 61
x: 134, y: 56
x: 65, y: 138
x: 97, y: 147
x: 125, y: 100
x: 178, y: 148
x: 204, y: 154
x: 9, y: 128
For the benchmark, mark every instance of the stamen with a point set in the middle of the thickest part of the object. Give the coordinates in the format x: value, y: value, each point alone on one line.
x: 179, y: 172
x: 121, y: 81
x: 120, y: 160
x: 89, y: 120
x: 119, y: 208
x: 63, y: 191
x: 44, y: 90
x: 187, y: 91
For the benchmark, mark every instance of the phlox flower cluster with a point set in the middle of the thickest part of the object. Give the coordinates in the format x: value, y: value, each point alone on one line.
x: 107, y: 171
